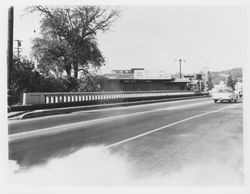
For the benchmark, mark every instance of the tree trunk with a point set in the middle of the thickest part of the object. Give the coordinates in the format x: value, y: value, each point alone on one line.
x: 68, y: 70
x: 75, y: 71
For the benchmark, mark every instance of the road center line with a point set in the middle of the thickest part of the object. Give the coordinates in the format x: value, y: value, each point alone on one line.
x: 75, y: 126
x: 166, y: 126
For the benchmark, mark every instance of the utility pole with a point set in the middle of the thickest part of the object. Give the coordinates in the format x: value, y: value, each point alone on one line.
x: 18, y: 48
x: 206, y: 77
x: 11, y: 98
x: 10, y: 43
x: 180, y: 61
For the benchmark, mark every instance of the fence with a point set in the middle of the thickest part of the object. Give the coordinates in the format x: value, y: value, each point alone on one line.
x: 91, y: 97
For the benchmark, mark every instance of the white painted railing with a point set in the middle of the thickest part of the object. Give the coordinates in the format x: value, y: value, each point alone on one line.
x: 68, y: 97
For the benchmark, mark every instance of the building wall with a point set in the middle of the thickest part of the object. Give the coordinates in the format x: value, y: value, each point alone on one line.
x: 143, y: 85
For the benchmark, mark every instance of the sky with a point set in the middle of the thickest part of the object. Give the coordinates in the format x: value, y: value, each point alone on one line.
x: 155, y: 37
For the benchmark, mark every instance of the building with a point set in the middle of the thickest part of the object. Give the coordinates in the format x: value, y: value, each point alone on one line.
x: 197, y: 83
x: 239, y: 88
x: 138, y: 79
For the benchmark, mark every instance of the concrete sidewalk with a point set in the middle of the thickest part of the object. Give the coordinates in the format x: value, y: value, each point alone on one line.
x: 65, y: 110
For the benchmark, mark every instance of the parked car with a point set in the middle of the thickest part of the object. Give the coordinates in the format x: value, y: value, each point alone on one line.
x: 225, y: 95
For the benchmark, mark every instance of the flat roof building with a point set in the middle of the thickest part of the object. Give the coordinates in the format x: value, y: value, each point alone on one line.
x: 138, y: 79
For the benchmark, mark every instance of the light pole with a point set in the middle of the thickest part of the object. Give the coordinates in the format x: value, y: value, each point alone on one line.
x: 180, y: 61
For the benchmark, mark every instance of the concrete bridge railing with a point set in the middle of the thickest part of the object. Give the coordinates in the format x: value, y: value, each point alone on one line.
x: 73, y: 97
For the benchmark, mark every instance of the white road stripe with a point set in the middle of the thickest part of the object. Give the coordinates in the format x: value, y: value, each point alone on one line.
x: 75, y: 126
x: 166, y: 126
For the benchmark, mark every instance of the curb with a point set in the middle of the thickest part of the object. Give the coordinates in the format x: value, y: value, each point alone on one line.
x: 57, y: 111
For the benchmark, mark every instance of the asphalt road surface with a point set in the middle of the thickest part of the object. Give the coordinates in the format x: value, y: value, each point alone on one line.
x: 159, y: 138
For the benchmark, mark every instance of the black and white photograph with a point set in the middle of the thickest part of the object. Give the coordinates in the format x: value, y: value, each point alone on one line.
x: 116, y: 95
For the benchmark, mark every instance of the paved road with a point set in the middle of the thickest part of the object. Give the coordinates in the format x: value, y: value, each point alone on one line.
x: 156, y: 138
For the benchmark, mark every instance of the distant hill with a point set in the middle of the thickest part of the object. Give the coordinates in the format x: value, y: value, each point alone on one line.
x: 217, y: 75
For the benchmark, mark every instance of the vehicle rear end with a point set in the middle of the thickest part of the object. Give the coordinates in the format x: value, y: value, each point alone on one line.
x: 224, y: 96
